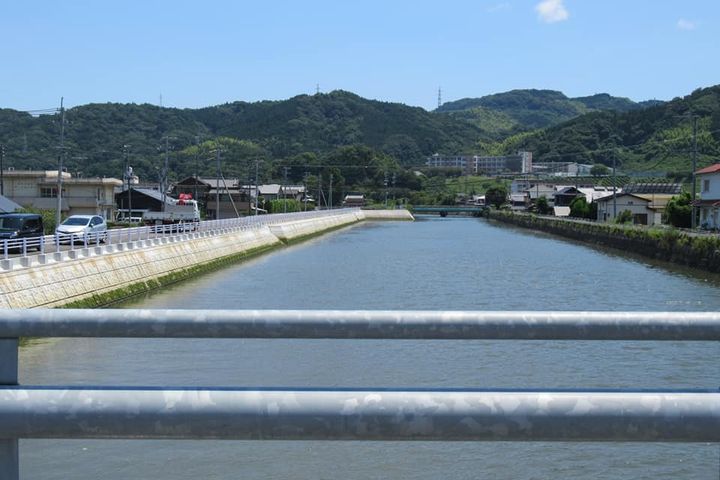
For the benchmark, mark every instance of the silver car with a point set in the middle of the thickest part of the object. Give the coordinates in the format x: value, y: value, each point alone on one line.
x: 77, y: 228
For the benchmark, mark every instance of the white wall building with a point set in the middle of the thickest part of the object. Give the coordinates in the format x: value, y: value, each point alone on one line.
x: 646, y: 209
x: 709, y: 203
x: 80, y: 196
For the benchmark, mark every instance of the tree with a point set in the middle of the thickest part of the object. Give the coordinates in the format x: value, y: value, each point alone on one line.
x: 624, y: 217
x: 678, y: 211
x: 543, y: 207
x: 496, y: 196
x: 599, y: 170
x: 579, y: 207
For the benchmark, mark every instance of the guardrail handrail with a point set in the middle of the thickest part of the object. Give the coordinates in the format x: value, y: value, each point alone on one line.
x: 27, y: 245
x: 355, y: 324
x: 351, y: 414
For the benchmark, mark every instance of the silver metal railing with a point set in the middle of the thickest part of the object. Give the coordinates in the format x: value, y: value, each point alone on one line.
x: 53, y: 243
x: 350, y: 414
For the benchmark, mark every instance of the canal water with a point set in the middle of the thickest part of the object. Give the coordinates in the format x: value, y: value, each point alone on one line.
x: 434, y: 264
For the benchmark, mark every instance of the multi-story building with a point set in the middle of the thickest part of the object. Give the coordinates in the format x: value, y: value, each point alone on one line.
x: 485, y: 165
x: 450, y: 161
x: 504, y: 164
x: 38, y: 189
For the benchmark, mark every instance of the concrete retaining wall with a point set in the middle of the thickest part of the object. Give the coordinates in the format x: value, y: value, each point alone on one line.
x: 99, y: 275
x: 62, y: 283
x: 294, y: 230
x: 667, y: 244
x: 386, y: 215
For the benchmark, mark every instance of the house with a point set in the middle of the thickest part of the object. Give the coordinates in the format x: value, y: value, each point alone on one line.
x: 272, y: 191
x: 219, y: 197
x: 541, y: 189
x: 8, y: 206
x: 565, y: 196
x: 80, y: 196
x: 354, y: 200
x: 519, y: 201
x: 709, y: 203
x: 646, y: 209
x: 139, y: 201
x: 295, y: 192
x: 595, y: 193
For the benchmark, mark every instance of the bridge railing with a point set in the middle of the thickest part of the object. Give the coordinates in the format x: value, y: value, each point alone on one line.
x: 351, y: 414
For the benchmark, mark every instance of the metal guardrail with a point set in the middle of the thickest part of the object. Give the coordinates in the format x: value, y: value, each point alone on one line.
x: 54, y: 243
x: 350, y: 414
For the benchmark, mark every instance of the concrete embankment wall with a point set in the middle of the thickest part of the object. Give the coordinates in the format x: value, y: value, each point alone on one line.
x: 667, y: 244
x: 101, y: 275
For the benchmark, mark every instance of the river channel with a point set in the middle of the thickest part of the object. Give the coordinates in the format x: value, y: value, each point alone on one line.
x: 434, y: 264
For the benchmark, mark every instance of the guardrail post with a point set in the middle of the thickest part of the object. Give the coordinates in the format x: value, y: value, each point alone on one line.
x: 9, y: 459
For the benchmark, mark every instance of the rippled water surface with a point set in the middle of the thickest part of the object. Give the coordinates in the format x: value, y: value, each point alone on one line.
x: 435, y: 264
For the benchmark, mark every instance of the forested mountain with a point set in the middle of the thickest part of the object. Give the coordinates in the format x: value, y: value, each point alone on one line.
x: 518, y: 111
x: 658, y: 138
x: 96, y: 133
x: 341, y: 131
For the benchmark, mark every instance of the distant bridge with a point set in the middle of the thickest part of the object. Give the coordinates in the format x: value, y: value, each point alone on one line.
x: 443, y: 210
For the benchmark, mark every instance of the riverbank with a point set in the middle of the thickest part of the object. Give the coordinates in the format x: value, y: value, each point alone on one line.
x: 668, y: 244
x: 100, y: 280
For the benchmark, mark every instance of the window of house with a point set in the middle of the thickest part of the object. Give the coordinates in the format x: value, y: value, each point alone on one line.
x: 48, y: 192
x: 706, y: 186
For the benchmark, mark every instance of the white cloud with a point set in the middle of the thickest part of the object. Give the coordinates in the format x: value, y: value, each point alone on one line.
x: 684, y: 24
x: 551, y: 11
x: 499, y: 7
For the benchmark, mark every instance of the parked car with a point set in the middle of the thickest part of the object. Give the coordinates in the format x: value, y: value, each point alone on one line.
x: 75, y: 228
x: 16, y: 226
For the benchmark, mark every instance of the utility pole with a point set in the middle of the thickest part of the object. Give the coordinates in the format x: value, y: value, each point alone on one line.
x: 58, y: 213
x: 285, y: 169
x: 693, y: 221
x: 305, y: 193
x: 257, y: 185
x: 217, y: 184
x: 393, y: 186
x: 385, y: 183
x: 614, y: 154
x: 319, y: 191
x: 197, y: 161
x: 2, y: 168
x: 128, y: 175
x: 331, y: 180
x: 165, y: 171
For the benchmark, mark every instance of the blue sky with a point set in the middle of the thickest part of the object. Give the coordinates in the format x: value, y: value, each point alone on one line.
x: 197, y: 54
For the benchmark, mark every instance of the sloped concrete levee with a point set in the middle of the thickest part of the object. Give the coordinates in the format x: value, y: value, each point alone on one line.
x: 101, y: 275
x: 293, y: 231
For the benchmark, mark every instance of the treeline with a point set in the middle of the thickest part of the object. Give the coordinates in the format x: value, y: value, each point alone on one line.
x: 366, y: 146
x: 96, y: 133
x: 658, y: 138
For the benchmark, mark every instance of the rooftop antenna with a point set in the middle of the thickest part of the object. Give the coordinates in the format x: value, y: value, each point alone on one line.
x: 439, y: 97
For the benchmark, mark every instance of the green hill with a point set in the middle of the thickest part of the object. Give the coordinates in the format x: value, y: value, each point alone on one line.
x: 517, y: 111
x: 320, y: 124
x: 657, y: 138
x: 329, y: 129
